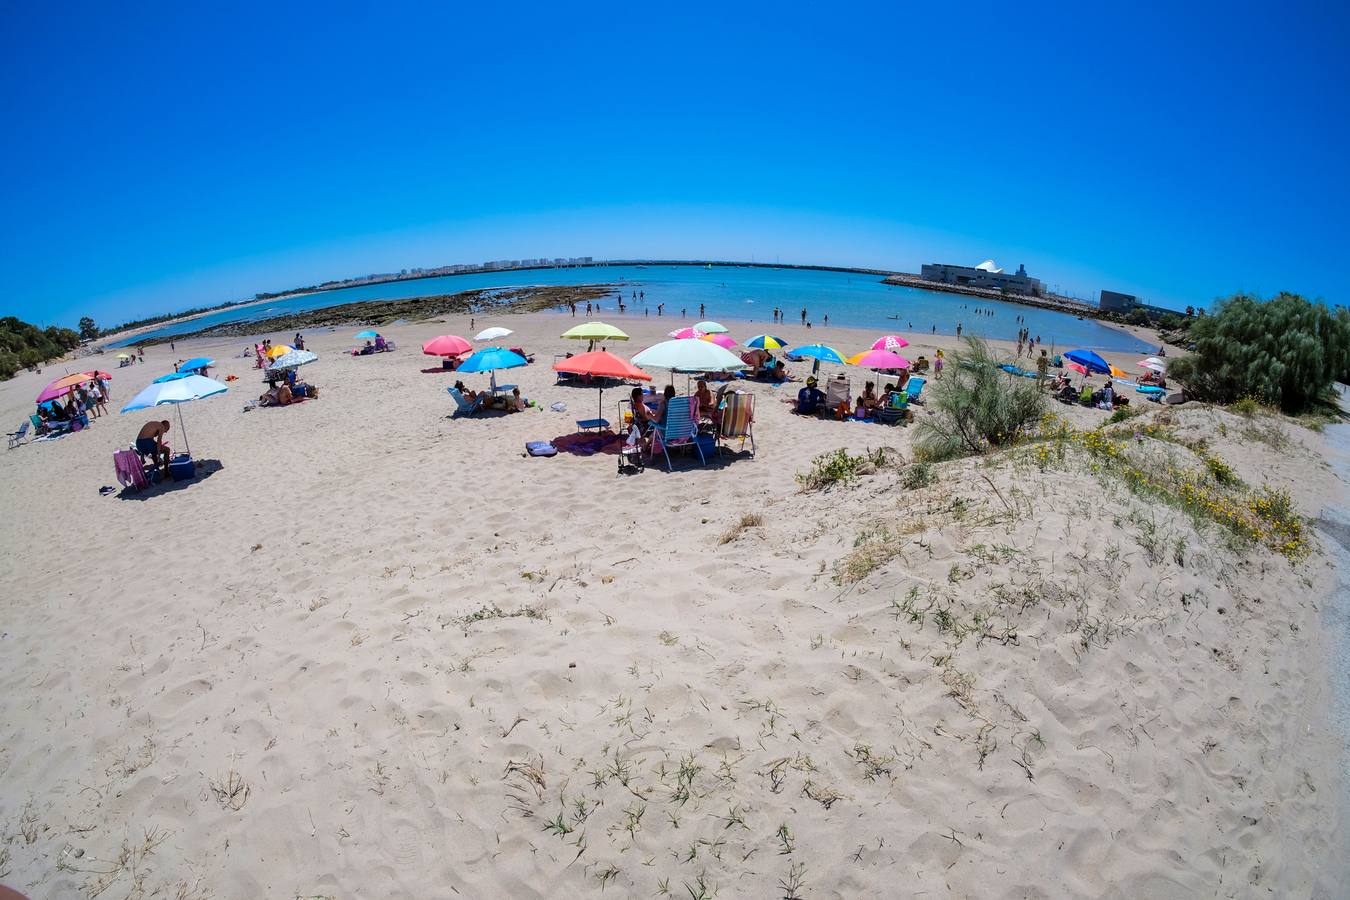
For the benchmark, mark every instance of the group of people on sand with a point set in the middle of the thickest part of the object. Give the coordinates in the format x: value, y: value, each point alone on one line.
x: 379, y: 345
x: 82, y: 403
x: 287, y: 389
x: 512, y: 402
x: 1106, y: 397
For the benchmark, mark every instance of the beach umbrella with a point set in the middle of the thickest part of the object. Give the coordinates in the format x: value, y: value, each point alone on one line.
x: 1157, y: 367
x: 688, y: 356
x: 446, y: 345
x: 820, y: 353
x: 492, y: 334
x: 369, y: 334
x: 711, y: 327
x: 124, y: 356
x: 1090, y: 361
x: 197, y: 362
x: 878, y: 359
x: 685, y: 334
x: 489, y: 360
x: 173, y: 376
x: 890, y: 342
x: 176, y: 391
x: 67, y: 383
x: 766, y: 342
x: 293, y: 359
x: 599, y: 364
x: 594, y: 331
x: 724, y: 341
x: 1119, y: 373
x: 277, y: 350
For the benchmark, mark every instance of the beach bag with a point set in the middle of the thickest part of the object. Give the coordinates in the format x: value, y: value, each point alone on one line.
x: 540, y: 448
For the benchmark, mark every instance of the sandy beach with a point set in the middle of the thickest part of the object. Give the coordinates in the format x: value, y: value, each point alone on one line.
x: 373, y: 651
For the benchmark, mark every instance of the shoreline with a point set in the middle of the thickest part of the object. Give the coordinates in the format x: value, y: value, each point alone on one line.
x: 887, y: 276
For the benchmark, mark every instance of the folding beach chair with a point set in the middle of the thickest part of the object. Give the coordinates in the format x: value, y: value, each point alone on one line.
x: 462, y: 406
x: 895, y: 409
x: 914, y: 387
x: 738, y: 419
x: 130, y: 471
x: 678, y: 430
x: 16, y: 437
x: 838, y: 390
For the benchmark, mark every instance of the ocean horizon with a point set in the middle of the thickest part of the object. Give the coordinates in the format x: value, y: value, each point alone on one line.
x: 745, y: 294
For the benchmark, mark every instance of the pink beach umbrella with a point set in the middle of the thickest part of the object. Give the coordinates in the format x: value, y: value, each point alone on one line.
x: 890, y: 342
x: 685, y: 334
x: 447, y: 345
x: 721, y: 340
x: 878, y: 359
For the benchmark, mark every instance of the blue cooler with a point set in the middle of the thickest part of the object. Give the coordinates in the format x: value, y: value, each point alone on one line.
x: 182, y: 468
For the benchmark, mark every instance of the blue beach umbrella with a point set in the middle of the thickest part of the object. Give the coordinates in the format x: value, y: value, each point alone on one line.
x: 820, y: 353
x: 1090, y: 361
x: 367, y: 335
x: 766, y: 342
x: 178, y: 390
x: 173, y: 376
x: 490, y: 359
x: 197, y: 362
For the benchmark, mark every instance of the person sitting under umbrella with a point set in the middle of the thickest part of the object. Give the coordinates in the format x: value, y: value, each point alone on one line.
x: 810, y: 398
x: 150, y: 442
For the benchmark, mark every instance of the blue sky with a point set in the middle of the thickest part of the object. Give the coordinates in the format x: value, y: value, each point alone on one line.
x: 161, y: 157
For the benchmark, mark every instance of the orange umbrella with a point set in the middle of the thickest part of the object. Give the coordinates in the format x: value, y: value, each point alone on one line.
x: 599, y: 364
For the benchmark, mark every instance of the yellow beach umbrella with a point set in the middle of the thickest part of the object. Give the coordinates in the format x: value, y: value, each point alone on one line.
x: 1117, y: 373
x: 278, y: 350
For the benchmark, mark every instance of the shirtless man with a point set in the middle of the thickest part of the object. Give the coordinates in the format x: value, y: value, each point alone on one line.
x: 150, y: 442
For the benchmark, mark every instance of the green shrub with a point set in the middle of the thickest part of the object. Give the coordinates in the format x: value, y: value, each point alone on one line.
x: 916, y: 476
x: 1284, y: 352
x: 976, y: 406
x: 837, y: 467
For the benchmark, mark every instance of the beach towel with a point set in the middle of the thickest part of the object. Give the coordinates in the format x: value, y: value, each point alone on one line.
x: 129, y: 470
x: 540, y: 448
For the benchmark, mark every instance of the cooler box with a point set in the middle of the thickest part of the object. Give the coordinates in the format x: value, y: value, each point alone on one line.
x: 181, y: 467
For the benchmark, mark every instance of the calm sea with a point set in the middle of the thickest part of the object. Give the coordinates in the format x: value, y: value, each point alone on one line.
x: 746, y: 294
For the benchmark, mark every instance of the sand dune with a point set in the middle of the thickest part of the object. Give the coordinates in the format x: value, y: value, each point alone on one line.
x: 379, y: 652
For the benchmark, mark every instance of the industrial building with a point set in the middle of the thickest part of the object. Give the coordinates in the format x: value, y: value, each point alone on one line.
x: 985, y: 275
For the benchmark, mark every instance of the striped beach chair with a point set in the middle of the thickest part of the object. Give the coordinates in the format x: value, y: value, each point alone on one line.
x: 738, y: 420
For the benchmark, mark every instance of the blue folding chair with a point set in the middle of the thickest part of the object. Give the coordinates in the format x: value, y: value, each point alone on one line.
x: 915, y: 386
x: 677, y: 430
x: 462, y: 406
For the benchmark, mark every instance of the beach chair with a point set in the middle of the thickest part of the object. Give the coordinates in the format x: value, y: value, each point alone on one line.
x: 677, y: 430
x: 738, y: 419
x: 462, y: 406
x: 130, y: 471
x: 838, y: 390
x: 914, y: 387
x: 895, y: 409
x: 16, y: 437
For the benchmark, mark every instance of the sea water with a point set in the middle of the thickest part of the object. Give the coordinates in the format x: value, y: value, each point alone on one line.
x: 740, y: 294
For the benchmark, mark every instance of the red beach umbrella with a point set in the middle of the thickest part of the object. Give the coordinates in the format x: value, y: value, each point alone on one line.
x: 447, y: 345
x: 600, y: 364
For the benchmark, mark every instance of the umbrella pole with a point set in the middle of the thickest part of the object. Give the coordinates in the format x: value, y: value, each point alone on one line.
x: 183, y: 428
x: 600, y: 410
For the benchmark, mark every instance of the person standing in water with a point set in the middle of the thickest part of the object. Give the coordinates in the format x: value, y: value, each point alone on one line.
x: 803, y: 315
x: 958, y: 329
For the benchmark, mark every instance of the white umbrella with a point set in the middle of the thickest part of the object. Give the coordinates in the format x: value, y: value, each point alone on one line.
x: 492, y: 334
x: 293, y: 358
x: 688, y: 356
x: 178, y: 391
